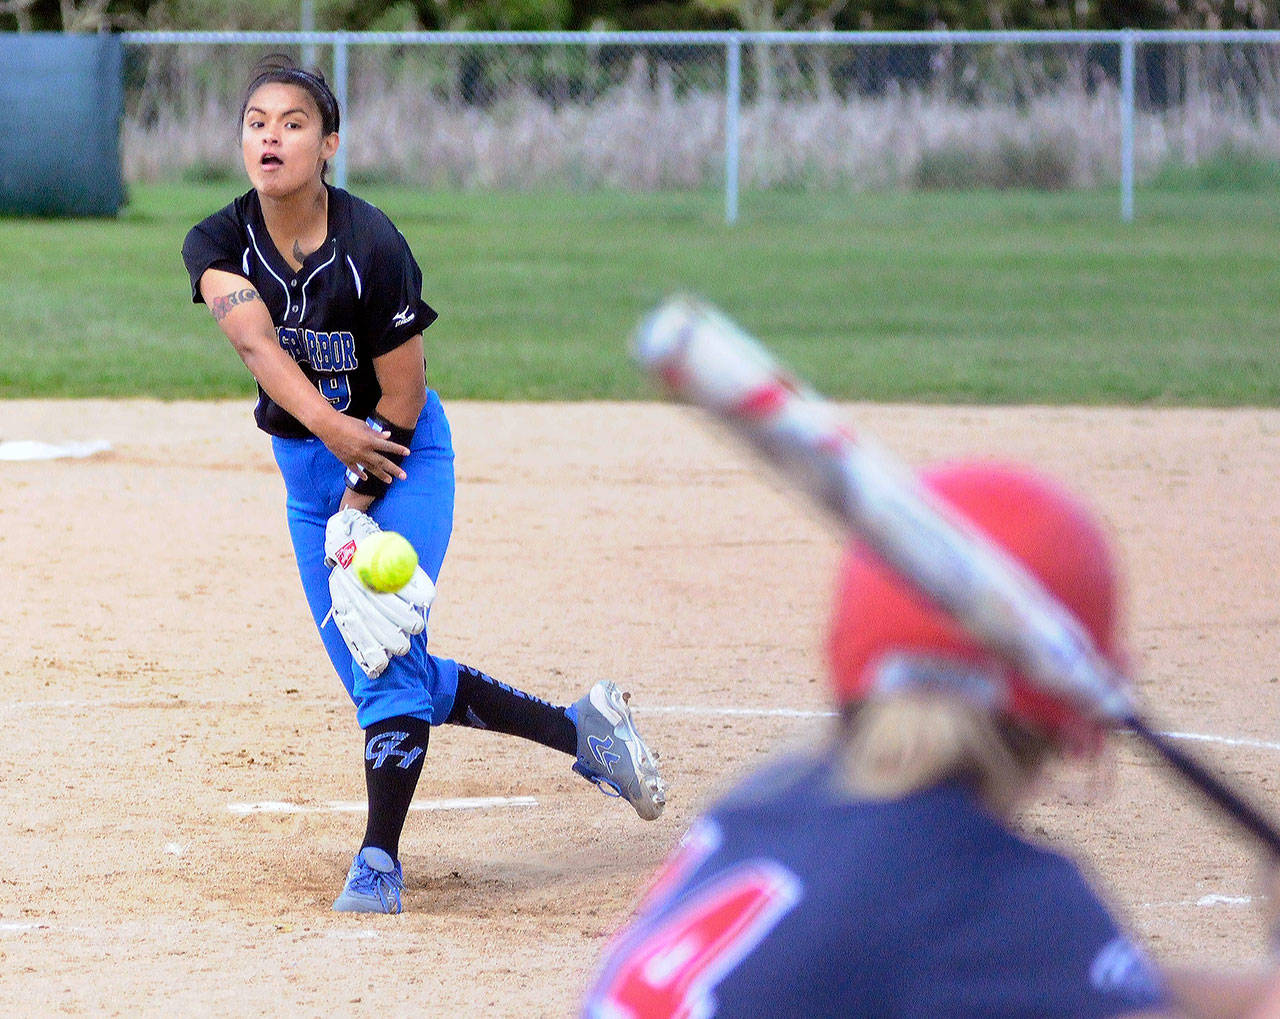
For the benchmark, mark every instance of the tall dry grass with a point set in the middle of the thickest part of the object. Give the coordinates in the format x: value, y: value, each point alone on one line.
x: 650, y: 130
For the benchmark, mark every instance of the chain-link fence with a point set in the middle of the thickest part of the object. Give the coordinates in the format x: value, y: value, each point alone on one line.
x: 732, y: 110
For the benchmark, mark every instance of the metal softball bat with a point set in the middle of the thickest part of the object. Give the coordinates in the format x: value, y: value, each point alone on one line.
x: 704, y: 359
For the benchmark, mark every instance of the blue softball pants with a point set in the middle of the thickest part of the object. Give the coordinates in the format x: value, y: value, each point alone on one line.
x: 421, y: 508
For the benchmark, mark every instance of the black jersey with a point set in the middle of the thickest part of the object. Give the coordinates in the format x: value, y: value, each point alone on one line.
x: 355, y: 298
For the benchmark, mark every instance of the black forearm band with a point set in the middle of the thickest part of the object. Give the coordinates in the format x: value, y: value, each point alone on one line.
x: 370, y: 485
x: 400, y: 436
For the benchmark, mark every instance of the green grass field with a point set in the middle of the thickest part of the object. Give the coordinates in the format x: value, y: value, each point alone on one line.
x: 956, y: 297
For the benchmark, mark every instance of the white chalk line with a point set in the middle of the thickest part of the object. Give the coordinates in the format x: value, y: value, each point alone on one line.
x: 691, y: 709
x: 359, y: 806
x: 1203, y: 901
x: 28, y: 927
x: 694, y: 709
x: 137, y: 703
x: 134, y: 931
x: 667, y: 709
x: 1226, y: 741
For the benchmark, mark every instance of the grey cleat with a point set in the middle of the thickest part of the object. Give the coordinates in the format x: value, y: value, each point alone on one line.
x: 373, y: 884
x: 611, y: 753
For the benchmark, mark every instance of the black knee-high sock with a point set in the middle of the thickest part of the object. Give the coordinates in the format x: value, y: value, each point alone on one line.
x: 484, y: 703
x: 394, y: 751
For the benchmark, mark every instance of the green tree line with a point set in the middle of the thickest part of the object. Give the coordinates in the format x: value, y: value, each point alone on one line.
x: 544, y: 15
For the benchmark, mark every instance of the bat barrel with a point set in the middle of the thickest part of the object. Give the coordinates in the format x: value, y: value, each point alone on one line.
x: 705, y: 359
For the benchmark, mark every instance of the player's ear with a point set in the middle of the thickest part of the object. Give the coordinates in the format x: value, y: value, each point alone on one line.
x: 329, y: 145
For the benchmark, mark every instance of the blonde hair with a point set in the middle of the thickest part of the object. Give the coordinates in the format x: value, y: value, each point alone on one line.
x: 898, y: 744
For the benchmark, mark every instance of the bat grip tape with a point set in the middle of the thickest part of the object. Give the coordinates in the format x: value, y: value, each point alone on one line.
x: 1227, y: 799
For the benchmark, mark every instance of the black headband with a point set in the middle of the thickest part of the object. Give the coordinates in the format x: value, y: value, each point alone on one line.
x: 314, y: 84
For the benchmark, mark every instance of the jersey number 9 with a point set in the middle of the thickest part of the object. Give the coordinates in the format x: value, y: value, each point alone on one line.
x: 336, y: 389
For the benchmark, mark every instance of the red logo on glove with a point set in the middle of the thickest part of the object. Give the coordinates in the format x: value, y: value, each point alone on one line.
x: 345, y: 554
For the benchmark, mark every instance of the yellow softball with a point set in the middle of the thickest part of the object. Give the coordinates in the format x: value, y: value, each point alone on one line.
x: 385, y: 561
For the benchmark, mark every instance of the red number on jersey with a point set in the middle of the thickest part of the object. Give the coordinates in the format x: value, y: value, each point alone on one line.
x: 672, y: 969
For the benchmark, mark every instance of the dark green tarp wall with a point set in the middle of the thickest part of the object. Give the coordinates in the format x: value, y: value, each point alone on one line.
x: 61, y: 103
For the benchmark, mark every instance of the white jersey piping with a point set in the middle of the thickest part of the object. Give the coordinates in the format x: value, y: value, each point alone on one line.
x: 322, y: 265
x: 267, y: 266
x: 356, y: 276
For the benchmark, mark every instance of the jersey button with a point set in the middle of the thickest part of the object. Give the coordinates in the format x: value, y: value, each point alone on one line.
x: 294, y: 284
x: 295, y: 307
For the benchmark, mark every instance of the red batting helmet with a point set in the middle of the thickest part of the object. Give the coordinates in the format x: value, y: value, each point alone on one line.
x: 883, y: 630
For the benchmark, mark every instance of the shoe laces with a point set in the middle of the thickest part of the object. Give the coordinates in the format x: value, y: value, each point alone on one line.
x: 369, y: 881
x: 606, y: 785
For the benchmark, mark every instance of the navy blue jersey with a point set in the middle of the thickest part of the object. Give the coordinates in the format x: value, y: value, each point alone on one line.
x: 355, y: 298
x: 789, y: 898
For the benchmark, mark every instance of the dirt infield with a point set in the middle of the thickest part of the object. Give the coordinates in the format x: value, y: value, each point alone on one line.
x: 159, y: 669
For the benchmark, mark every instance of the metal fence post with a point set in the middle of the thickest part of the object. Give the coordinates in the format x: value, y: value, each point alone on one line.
x: 1126, y: 124
x: 732, y: 109
x: 307, y: 22
x: 340, y: 92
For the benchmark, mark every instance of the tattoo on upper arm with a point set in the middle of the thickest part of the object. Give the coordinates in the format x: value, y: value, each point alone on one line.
x: 221, y: 306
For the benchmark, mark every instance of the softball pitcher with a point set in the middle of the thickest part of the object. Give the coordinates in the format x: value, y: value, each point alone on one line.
x: 882, y: 875
x: 321, y: 297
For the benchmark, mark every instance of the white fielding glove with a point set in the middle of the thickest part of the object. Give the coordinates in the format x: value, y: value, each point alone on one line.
x: 373, y: 625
